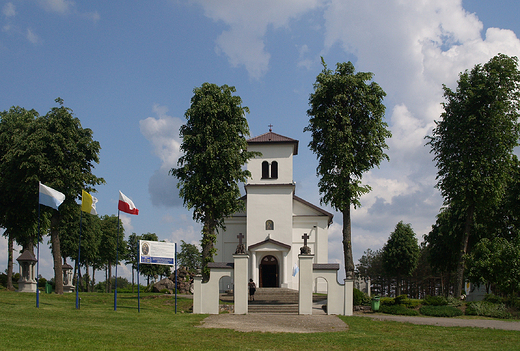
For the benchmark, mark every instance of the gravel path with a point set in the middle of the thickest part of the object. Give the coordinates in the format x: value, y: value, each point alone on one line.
x: 275, y: 323
x: 447, y: 322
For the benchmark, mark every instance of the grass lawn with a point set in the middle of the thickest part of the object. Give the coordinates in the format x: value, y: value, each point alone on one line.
x: 57, y: 325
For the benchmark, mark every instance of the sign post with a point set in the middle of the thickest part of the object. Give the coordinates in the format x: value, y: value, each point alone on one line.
x: 157, y: 252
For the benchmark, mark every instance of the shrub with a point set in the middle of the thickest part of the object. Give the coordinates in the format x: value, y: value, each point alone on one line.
x: 488, y: 309
x: 360, y: 298
x: 440, y: 311
x: 387, y: 301
x: 435, y: 301
x: 399, y: 310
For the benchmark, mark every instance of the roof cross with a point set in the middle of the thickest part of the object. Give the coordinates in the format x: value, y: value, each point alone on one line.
x: 270, y: 127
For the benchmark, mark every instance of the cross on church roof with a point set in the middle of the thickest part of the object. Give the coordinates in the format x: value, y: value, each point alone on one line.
x: 270, y: 127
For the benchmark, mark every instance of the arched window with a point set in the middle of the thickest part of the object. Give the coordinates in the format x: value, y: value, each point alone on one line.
x: 265, y: 170
x: 269, y: 225
x: 274, y: 170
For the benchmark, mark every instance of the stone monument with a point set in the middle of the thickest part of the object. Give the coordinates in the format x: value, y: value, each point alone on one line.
x: 27, y: 281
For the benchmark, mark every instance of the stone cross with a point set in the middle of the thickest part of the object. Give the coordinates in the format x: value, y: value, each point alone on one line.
x: 305, y: 250
x: 241, y: 248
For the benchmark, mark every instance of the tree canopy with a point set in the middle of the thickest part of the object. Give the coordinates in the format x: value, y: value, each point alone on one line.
x: 401, y: 253
x: 474, y: 140
x: 53, y: 149
x: 215, y: 149
x: 348, y: 136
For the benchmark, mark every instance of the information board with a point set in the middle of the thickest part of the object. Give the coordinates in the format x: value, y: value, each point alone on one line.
x: 156, y: 252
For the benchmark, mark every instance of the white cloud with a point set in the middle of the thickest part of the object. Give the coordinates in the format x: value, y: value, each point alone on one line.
x: 163, y: 133
x: 59, y: 6
x: 32, y: 37
x: 249, y: 21
x: 9, y: 10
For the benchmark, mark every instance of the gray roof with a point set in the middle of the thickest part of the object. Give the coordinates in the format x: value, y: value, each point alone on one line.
x: 274, y: 138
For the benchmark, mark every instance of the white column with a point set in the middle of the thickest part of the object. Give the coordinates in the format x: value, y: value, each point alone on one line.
x: 254, y: 271
x: 349, y: 297
x: 197, y: 294
x: 241, y: 279
x: 305, y: 292
x: 285, y: 270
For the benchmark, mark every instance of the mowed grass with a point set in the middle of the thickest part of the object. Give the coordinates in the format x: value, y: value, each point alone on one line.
x: 57, y: 325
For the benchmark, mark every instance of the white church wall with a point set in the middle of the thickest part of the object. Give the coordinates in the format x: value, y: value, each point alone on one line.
x: 281, y: 153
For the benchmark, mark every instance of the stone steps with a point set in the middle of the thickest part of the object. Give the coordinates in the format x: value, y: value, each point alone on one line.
x: 274, y: 300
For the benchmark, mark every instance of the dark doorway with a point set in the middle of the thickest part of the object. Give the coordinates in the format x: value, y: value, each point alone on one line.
x: 269, y: 271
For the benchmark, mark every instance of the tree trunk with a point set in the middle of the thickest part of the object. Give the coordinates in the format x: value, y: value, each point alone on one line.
x: 463, y: 250
x: 132, y: 279
x: 10, y: 250
x: 347, y: 244
x: 208, y: 241
x: 109, y: 280
x: 56, y: 253
x: 93, y: 277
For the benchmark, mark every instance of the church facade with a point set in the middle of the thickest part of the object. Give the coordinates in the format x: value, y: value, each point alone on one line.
x: 275, y: 221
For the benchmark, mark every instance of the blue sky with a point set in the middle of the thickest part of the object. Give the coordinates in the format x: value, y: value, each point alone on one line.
x: 128, y: 68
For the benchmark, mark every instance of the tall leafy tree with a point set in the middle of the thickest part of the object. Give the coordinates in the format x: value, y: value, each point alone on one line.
x: 55, y: 150
x: 401, y: 253
x: 131, y: 253
x: 348, y: 136
x: 112, y: 248
x: 215, y: 149
x: 474, y: 141
x: 189, y: 256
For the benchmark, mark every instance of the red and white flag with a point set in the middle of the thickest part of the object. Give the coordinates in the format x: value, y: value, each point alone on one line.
x: 126, y: 205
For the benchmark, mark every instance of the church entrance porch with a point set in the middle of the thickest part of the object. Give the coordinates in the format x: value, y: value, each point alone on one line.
x: 269, y: 272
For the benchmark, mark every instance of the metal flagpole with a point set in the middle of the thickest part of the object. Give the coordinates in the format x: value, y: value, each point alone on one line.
x: 117, y: 259
x: 38, y: 258
x: 77, y: 262
x: 138, y: 287
x: 175, y: 265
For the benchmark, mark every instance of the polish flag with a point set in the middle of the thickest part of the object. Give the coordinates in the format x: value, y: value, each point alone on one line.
x: 126, y: 205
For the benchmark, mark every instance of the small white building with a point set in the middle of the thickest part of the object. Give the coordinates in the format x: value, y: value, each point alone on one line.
x: 275, y: 219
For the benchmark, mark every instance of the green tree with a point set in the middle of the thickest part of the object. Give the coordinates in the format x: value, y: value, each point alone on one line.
x: 348, y: 136
x: 189, y: 256
x: 112, y: 248
x: 496, y: 262
x: 474, y: 141
x: 131, y: 253
x: 57, y: 151
x: 401, y: 253
x: 215, y: 149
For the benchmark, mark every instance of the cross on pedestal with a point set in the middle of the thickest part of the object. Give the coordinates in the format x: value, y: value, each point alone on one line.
x: 305, y: 250
x: 241, y: 248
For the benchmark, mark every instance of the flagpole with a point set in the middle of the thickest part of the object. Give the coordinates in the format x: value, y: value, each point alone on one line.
x: 77, y: 262
x: 117, y: 258
x: 175, y: 266
x: 138, y: 287
x: 38, y: 258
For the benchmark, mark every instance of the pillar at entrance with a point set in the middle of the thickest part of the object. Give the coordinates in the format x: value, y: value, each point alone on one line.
x: 241, y: 263
x: 349, y: 297
x: 305, y: 294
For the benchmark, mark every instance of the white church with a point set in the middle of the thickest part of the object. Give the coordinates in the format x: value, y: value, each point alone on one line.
x: 275, y: 220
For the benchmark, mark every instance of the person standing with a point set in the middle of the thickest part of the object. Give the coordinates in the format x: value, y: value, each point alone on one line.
x: 252, y: 289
